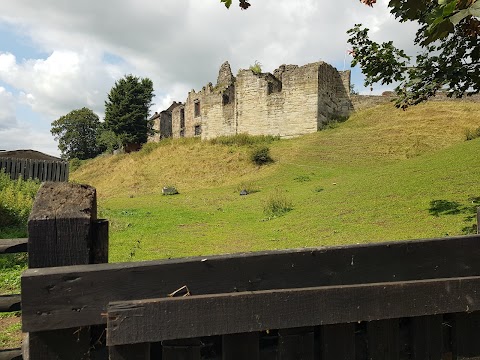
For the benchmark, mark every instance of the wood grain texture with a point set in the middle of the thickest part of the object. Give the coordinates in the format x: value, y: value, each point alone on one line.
x: 206, y: 315
x: 10, y: 303
x: 60, y: 225
x: 49, y: 295
x: 62, y: 231
x: 12, y: 246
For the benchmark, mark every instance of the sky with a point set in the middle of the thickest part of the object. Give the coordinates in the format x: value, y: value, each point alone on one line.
x: 60, y: 55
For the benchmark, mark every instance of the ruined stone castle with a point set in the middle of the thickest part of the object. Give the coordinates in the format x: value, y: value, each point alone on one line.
x: 294, y: 100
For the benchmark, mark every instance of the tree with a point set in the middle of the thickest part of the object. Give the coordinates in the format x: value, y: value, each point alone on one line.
x: 76, y: 133
x: 127, y: 109
x: 450, y: 57
x: 449, y: 62
x: 242, y: 3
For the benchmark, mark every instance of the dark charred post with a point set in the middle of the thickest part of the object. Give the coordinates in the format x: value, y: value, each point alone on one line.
x: 185, y: 349
x: 296, y: 343
x: 478, y: 220
x: 465, y: 330
x: 241, y: 346
x: 63, y: 231
x: 338, y: 341
x: 130, y: 352
x: 426, y: 335
x: 383, y: 339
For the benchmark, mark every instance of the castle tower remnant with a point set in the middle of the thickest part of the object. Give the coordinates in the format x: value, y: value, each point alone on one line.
x: 225, y: 76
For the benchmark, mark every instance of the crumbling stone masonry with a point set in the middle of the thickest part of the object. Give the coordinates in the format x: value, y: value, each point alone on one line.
x: 293, y: 101
x: 162, y: 123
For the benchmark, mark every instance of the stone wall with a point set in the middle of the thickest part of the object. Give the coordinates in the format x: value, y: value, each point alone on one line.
x: 361, y: 102
x: 293, y: 101
x: 334, y: 94
x: 290, y: 102
x: 162, y: 123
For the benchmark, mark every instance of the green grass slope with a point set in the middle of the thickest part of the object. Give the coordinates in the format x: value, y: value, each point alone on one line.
x: 382, y: 175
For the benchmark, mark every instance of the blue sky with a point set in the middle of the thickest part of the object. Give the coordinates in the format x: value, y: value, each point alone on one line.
x: 59, y: 55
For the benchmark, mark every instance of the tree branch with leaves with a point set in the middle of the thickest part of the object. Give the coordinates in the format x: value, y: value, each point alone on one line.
x: 450, y: 57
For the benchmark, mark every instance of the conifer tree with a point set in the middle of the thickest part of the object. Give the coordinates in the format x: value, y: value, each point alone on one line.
x: 127, y: 109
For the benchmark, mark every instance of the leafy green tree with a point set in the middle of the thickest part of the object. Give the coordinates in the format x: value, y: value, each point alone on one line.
x: 450, y: 61
x: 450, y: 57
x: 108, y: 141
x: 127, y: 109
x: 76, y: 133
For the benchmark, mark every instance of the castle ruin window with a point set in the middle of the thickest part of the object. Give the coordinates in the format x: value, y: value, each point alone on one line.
x: 269, y: 88
x: 182, y: 133
x: 198, y: 130
x: 182, y: 118
x: 273, y: 88
x: 197, y: 108
x: 225, y: 99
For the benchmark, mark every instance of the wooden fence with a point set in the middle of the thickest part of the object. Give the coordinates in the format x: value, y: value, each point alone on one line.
x: 398, y: 300
x: 10, y: 303
x: 34, y: 169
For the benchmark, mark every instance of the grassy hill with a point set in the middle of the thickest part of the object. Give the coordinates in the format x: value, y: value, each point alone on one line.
x: 384, y: 174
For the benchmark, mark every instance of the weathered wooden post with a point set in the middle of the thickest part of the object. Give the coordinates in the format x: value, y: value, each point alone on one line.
x: 64, y: 230
x: 478, y: 220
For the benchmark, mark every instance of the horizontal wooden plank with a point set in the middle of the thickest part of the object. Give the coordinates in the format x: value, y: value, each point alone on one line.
x: 205, y: 315
x: 10, y: 303
x: 10, y: 246
x: 55, y: 298
x: 11, y: 354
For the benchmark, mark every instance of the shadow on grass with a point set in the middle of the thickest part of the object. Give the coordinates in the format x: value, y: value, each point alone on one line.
x: 446, y: 207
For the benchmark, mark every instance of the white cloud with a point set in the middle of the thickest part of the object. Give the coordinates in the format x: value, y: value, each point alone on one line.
x: 178, y: 44
x: 7, y: 109
x: 64, y: 81
x: 15, y: 134
x: 24, y: 137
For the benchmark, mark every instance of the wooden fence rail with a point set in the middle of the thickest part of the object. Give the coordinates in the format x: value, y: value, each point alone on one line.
x: 43, y: 170
x: 398, y: 300
x: 12, y: 246
x: 11, y: 303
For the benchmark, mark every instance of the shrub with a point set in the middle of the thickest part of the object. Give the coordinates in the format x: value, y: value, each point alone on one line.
x: 471, y: 134
x: 261, y: 155
x: 74, y: 164
x: 16, y: 200
x: 277, y: 205
x: 256, y: 68
x: 249, y: 186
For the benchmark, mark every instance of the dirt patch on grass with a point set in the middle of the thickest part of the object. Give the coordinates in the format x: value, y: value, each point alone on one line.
x: 10, y: 332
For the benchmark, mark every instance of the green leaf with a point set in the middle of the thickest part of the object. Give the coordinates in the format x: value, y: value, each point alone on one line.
x: 449, y: 8
x: 227, y: 3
